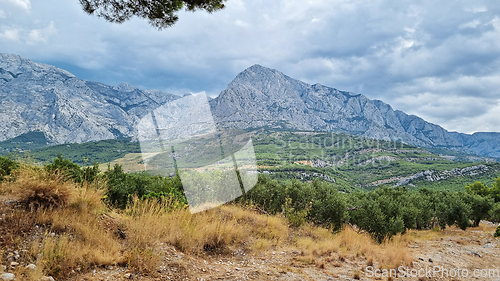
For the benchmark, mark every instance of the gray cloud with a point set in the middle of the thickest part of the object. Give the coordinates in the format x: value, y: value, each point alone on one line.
x: 438, y: 60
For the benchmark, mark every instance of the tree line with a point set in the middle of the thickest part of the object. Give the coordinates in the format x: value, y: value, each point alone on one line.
x: 383, y: 212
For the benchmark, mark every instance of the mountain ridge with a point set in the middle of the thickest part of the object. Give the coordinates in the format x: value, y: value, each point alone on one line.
x: 40, y: 97
x: 260, y: 96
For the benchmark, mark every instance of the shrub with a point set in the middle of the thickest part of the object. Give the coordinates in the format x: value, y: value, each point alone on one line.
x: 68, y: 169
x: 478, y: 188
x: 7, y: 165
x: 295, y: 217
x: 480, y: 206
x: 497, y: 233
x: 495, y: 190
x: 121, y: 187
x: 495, y: 212
x: 37, y: 189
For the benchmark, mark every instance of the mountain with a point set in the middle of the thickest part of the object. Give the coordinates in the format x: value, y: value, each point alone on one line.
x: 43, y: 98
x: 260, y: 96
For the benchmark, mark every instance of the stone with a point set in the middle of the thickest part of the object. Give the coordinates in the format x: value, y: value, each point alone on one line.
x: 8, y: 276
x: 31, y: 266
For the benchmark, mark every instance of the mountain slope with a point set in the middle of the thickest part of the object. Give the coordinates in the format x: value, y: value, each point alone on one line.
x: 261, y: 96
x: 39, y: 97
x: 36, y: 97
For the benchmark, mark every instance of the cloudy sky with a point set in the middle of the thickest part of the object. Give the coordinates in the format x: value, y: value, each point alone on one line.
x: 439, y: 60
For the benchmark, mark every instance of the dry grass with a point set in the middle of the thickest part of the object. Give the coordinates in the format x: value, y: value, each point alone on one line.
x: 321, y: 242
x: 63, y: 219
x: 37, y: 189
x: 212, y: 231
x: 77, y: 232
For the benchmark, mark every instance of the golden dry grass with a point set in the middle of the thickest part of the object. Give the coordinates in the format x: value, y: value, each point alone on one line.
x: 74, y: 237
x: 79, y: 232
x: 37, y: 189
x: 321, y: 242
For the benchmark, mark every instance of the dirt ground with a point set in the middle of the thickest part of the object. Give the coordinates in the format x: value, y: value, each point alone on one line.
x: 453, y: 254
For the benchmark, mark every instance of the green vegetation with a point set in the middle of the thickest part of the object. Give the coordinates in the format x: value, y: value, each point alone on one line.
x: 83, y: 153
x: 360, y: 163
x: 7, y: 165
x: 28, y: 141
x: 160, y: 14
x: 383, y: 212
x: 353, y: 163
x: 121, y: 187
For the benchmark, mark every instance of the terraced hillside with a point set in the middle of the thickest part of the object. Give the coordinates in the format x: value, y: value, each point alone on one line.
x: 350, y: 162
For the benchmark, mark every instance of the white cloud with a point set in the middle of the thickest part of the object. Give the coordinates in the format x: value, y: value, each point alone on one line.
x: 2, y: 14
x: 444, y: 57
x: 11, y: 34
x: 24, y: 4
x: 41, y: 35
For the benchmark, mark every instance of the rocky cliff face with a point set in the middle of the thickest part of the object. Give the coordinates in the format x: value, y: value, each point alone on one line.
x: 39, y: 97
x: 261, y: 96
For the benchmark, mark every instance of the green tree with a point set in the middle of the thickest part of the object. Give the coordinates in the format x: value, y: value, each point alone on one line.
x: 495, y: 190
x: 7, y: 165
x: 495, y: 212
x: 70, y: 170
x: 480, y: 206
x: 478, y: 188
x: 159, y: 13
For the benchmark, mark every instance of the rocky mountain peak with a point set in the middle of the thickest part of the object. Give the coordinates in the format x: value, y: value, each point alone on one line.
x: 14, y: 66
x: 124, y: 87
x: 40, y: 97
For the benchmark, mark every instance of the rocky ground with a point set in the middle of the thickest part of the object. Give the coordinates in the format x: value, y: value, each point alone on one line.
x: 462, y: 253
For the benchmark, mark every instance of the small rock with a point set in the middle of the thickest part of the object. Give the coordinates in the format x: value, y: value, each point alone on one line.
x: 47, y: 278
x: 8, y: 276
x: 430, y: 260
x: 31, y: 266
x: 127, y: 275
x: 475, y: 254
x: 422, y: 259
x: 489, y: 245
x: 14, y: 264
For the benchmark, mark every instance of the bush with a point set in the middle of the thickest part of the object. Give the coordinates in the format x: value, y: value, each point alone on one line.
x: 497, y: 233
x: 295, y: 217
x: 495, y: 190
x: 121, y: 187
x: 7, y: 166
x: 377, y: 213
x: 480, y: 206
x: 478, y: 188
x: 37, y: 189
x: 495, y: 212
x: 68, y: 169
